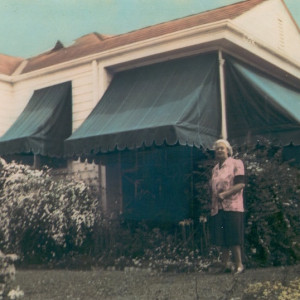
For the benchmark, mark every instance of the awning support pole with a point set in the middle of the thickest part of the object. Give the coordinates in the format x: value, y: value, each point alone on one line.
x: 36, y: 161
x: 223, y: 97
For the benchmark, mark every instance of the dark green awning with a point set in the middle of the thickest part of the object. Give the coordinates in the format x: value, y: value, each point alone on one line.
x: 43, y: 125
x: 170, y: 102
x: 260, y: 107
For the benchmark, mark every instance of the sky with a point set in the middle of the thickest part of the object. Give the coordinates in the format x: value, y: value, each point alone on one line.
x: 31, y: 27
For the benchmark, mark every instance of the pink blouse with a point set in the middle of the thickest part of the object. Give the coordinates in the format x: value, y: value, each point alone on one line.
x: 222, y: 180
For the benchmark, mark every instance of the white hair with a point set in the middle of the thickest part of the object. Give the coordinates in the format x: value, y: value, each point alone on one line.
x: 226, y: 143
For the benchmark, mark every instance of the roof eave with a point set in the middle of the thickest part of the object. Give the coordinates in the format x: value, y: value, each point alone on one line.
x: 203, y: 37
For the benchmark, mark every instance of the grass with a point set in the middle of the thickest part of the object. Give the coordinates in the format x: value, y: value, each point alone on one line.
x: 88, y: 285
x: 144, y: 284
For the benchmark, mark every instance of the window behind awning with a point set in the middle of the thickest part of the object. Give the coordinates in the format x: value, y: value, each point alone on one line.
x: 43, y: 125
x: 174, y: 102
x: 259, y: 107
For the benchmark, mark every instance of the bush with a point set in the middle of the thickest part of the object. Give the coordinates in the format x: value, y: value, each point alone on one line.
x: 43, y: 218
x: 154, y: 246
x: 272, y: 197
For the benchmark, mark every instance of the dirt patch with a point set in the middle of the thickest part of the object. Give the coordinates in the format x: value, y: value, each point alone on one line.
x: 145, y: 284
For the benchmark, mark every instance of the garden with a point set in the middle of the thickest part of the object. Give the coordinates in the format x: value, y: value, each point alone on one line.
x: 54, y: 227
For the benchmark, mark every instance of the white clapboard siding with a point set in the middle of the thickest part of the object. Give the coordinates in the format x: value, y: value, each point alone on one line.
x: 82, y: 91
x: 270, y: 23
x: 6, y: 106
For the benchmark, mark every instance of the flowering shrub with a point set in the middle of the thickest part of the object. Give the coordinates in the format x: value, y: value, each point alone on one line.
x: 154, y: 249
x: 273, y: 290
x: 272, y: 197
x: 42, y: 217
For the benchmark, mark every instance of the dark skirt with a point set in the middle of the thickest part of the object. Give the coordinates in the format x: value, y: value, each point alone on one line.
x: 227, y: 228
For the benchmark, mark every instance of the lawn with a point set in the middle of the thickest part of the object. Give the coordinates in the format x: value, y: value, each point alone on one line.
x: 144, y: 284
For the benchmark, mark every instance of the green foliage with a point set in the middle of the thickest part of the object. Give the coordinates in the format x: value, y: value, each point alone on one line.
x: 272, y: 201
x: 202, y: 177
x: 152, y: 246
x: 43, y: 218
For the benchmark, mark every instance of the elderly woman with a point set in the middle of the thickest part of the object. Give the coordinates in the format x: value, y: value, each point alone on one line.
x: 227, y: 205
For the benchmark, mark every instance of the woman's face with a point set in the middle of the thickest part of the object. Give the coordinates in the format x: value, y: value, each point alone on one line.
x: 221, y: 152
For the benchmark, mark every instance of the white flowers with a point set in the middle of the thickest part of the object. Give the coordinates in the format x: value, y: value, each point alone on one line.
x: 254, y: 166
x: 186, y: 222
x: 15, y: 294
x: 202, y: 219
x: 36, y: 202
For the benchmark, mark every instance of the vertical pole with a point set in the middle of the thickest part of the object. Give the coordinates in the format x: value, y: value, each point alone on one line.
x: 102, y: 175
x: 121, y: 208
x: 223, y: 97
x: 36, y: 161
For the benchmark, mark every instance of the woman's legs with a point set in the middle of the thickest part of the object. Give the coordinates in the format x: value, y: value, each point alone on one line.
x: 234, y: 236
x: 237, y: 256
x: 227, y: 229
x: 225, y: 255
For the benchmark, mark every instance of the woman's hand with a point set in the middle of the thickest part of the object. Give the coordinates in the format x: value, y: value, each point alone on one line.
x: 235, y: 189
x: 221, y: 196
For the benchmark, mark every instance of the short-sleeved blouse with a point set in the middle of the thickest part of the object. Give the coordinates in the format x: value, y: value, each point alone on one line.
x: 222, y: 180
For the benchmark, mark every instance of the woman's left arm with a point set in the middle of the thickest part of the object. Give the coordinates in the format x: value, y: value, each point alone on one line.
x: 231, y: 191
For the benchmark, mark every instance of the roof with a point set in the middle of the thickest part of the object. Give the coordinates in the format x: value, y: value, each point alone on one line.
x: 8, y: 64
x: 96, y: 43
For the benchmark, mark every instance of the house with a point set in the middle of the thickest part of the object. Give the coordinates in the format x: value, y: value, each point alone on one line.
x: 139, y: 105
